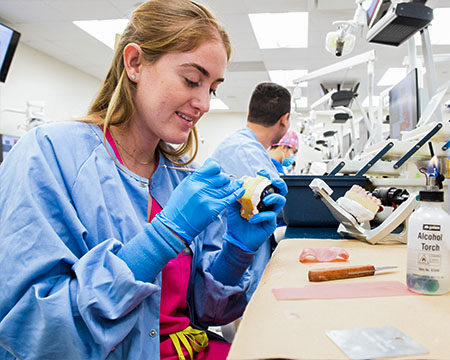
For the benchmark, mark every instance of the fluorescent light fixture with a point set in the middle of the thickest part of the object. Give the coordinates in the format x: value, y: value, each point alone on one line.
x: 392, y: 76
x: 287, y: 77
x: 217, y: 104
x: 103, y: 30
x: 375, y: 100
x: 280, y: 30
x: 438, y: 28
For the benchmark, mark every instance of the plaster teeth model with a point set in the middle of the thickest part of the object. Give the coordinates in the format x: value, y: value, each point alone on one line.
x: 361, y: 205
x: 256, y: 188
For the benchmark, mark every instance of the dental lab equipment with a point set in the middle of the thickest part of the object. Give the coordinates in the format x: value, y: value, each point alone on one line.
x: 349, y: 226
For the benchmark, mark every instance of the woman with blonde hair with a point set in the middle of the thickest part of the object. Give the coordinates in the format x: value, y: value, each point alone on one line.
x: 111, y: 247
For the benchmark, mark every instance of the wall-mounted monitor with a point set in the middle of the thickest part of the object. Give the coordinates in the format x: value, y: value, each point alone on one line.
x: 376, y: 11
x: 404, y: 105
x: 9, y: 39
x: 6, y: 144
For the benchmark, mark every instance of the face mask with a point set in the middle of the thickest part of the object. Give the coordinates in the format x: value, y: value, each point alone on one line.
x: 289, y: 161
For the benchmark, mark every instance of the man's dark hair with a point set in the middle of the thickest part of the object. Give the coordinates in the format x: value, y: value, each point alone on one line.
x: 268, y: 103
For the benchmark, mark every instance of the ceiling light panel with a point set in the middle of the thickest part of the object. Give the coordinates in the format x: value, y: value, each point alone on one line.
x: 287, y: 77
x: 280, y: 30
x: 392, y: 76
x: 103, y: 30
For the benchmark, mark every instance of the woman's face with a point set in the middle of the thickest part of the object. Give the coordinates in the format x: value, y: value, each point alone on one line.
x: 173, y: 93
x: 288, y: 151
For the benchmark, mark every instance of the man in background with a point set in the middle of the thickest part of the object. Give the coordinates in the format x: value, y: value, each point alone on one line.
x: 245, y: 152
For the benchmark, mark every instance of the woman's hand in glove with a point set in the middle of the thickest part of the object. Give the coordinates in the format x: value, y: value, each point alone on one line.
x: 252, y: 233
x: 198, y: 199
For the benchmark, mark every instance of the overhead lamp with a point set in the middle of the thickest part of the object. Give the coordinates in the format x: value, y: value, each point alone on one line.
x: 34, y: 114
x: 297, y: 93
x: 342, y: 41
x: 400, y: 23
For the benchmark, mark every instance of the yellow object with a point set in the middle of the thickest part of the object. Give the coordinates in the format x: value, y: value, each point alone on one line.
x: 448, y: 168
x: 192, y: 339
x: 253, y: 186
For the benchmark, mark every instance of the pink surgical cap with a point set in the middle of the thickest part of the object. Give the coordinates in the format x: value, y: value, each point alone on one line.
x: 290, y: 139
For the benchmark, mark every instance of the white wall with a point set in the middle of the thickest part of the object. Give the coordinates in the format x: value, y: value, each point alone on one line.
x: 66, y: 91
x: 213, y: 127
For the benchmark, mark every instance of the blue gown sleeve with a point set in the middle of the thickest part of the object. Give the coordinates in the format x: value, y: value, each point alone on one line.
x: 213, y: 301
x: 64, y: 293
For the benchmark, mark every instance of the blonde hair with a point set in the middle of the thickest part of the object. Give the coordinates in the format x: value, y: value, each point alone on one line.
x: 158, y: 27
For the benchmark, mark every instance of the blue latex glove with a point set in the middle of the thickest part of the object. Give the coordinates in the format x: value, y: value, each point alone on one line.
x: 198, y: 199
x: 251, y: 234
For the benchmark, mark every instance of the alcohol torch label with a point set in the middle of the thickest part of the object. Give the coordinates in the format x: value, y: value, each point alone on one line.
x: 430, y: 237
x: 430, y: 240
x: 425, y: 259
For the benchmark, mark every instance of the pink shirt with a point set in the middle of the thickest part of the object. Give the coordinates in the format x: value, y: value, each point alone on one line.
x: 173, y: 309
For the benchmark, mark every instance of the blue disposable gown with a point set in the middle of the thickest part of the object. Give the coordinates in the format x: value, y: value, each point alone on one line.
x: 66, y: 211
x: 241, y: 154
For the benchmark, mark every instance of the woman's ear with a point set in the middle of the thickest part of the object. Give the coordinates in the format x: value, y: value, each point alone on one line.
x: 132, y: 58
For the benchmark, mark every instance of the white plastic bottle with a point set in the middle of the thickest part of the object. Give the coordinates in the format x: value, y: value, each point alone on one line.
x: 428, y: 268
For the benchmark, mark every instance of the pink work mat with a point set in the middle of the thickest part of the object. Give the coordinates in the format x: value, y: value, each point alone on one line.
x: 343, y: 290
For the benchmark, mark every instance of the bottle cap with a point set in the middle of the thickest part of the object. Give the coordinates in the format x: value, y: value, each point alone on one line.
x: 431, y: 196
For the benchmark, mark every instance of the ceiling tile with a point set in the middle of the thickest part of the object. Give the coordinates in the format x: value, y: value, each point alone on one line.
x: 246, y: 66
x: 46, y: 25
x: 335, y: 5
x: 23, y: 11
x: 85, y: 9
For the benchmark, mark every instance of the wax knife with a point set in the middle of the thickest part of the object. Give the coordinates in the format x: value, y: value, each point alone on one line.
x: 345, y: 272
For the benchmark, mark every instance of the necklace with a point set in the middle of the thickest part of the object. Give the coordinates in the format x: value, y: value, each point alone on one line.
x: 119, y: 145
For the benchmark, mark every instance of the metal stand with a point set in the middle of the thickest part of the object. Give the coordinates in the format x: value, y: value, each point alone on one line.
x: 418, y: 145
x: 377, y: 157
x: 349, y: 227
